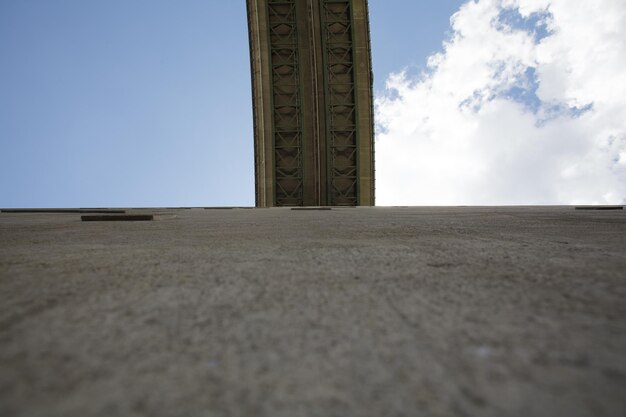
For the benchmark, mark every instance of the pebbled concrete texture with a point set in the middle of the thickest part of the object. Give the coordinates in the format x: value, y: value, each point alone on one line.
x: 468, y: 311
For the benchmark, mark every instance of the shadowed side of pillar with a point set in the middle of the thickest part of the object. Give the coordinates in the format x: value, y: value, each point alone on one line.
x: 312, y: 102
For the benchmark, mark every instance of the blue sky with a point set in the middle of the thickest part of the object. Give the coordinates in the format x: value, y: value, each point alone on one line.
x: 148, y: 102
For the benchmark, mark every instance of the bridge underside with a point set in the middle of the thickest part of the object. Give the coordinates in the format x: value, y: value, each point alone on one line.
x: 312, y: 98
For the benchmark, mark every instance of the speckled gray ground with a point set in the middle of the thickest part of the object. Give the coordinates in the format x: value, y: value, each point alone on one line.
x: 349, y: 312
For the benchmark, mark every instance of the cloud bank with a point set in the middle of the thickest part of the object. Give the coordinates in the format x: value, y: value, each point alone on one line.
x: 526, y: 104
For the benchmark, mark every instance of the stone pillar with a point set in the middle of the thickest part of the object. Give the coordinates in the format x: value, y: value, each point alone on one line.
x: 312, y: 102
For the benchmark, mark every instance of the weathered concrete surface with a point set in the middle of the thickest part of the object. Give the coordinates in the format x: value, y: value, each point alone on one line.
x: 348, y: 312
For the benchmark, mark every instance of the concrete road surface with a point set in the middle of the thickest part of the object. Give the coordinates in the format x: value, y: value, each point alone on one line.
x: 345, y: 312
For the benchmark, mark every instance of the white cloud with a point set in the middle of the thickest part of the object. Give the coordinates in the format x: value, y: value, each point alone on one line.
x: 525, y: 105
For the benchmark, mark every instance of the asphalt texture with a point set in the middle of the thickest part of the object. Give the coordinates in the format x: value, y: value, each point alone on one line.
x: 469, y: 311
